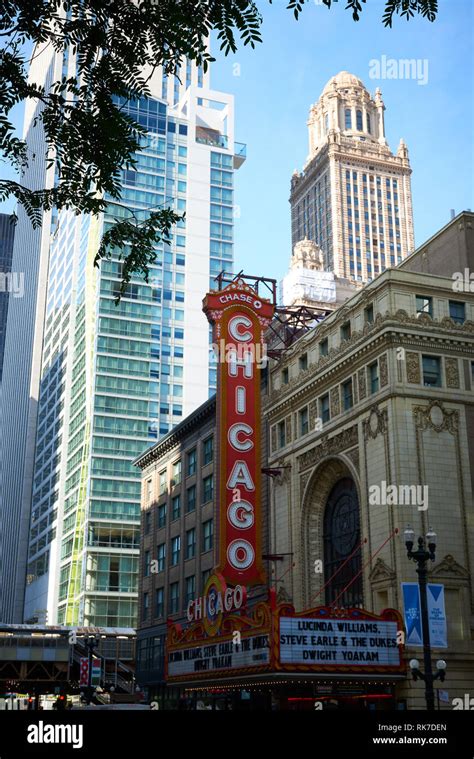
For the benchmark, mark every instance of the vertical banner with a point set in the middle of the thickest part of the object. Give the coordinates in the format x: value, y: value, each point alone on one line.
x: 436, y: 614
x: 84, y: 671
x: 96, y: 671
x: 239, y: 318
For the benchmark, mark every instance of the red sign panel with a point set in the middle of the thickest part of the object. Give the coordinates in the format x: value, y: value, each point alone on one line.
x: 239, y: 318
x: 84, y: 671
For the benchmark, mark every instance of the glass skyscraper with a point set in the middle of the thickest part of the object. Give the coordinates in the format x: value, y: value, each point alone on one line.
x: 7, y: 234
x: 114, y: 378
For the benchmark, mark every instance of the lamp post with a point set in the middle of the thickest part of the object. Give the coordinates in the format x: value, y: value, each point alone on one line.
x: 421, y: 556
x: 91, y: 643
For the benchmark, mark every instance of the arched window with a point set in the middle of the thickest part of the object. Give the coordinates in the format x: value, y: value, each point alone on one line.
x: 341, y: 537
x: 348, y: 118
x: 367, y: 116
x: 359, y: 121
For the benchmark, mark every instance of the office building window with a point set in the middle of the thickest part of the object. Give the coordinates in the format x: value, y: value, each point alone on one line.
x: 190, y: 543
x: 207, y: 533
x: 424, y: 305
x: 359, y: 121
x: 324, y: 408
x: 324, y: 347
x: 374, y: 377
x: 149, y: 489
x: 147, y: 521
x: 191, y: 499
x: 431, y: 371
x: 285, y: 376
x: 159, y: 602
x: 281, y: 435
x: 303, y: 421
x: 176, y: 477
x: 346, y: 331
x: 176, y: 507
x: 207, y: 488
x: 175, y: 550
x: 208, y: 450
x: 191, y: 462
x: 190, y: 588
x: 303, y: 362
x: 348, y: 118
x: 205, y: 575
x: 162, y: 515
x: 369, y: 314
x: 347, y: 397
x: 145, y: 608
x: 457, y: 311
x: 163, y: 482
x: 161, y: 557
x: 174, y: 597
x: 146, y: 563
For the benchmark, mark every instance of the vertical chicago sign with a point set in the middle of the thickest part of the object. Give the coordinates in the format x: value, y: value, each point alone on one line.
x: 239, y: 318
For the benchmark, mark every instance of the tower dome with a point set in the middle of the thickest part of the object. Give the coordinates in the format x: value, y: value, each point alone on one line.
x: 343, y: 80
x: 346, y: 108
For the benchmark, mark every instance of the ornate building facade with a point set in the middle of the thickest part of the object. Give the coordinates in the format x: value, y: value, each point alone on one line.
x: 378, y: 396
x: 381, y: 394
x: 353, y: 196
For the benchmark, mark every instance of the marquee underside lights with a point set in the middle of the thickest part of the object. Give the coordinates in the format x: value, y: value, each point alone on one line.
x: 239, y: 318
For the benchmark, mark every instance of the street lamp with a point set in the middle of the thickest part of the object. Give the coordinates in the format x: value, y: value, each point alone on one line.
x: 91, y: 642
x: 421, y: 556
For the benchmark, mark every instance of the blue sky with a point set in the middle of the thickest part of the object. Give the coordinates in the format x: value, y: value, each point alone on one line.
x: 286, y: 74
x: 275, y: 84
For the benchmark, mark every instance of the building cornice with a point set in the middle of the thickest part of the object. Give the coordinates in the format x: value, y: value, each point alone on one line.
x: 169, y: 441
x: 385, y: 329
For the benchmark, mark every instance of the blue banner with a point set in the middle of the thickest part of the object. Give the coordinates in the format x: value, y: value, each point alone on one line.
x: 411, y: 606
x: 436, y: 615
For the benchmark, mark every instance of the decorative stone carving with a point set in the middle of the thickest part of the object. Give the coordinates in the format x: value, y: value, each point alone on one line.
x: 307, y: 255
x: 450, y: 568
x: 284, y: 475
x: 413, y: 368
x: 381, y: 573
x: 312, y: 414
x: 355, y: 389
x: 274, y: 438
x: 335, y: 402
x: 288, y: 431
x: 353, y: 455
x: 424, y: 318
x: 434, y: 416
x: 346, y: 439
x: 401, y: 316
x: 383, y: 368
x: 452, y: 372
x: 303, y: 482
x: 361, y: 381
x: 376, y: 423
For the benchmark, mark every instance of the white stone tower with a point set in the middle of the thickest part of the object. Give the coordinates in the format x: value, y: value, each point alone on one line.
x: 353, y: 196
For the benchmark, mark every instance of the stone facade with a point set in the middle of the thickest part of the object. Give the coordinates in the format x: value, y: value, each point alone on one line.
x: 353, y: 196
x: 404, y: 426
